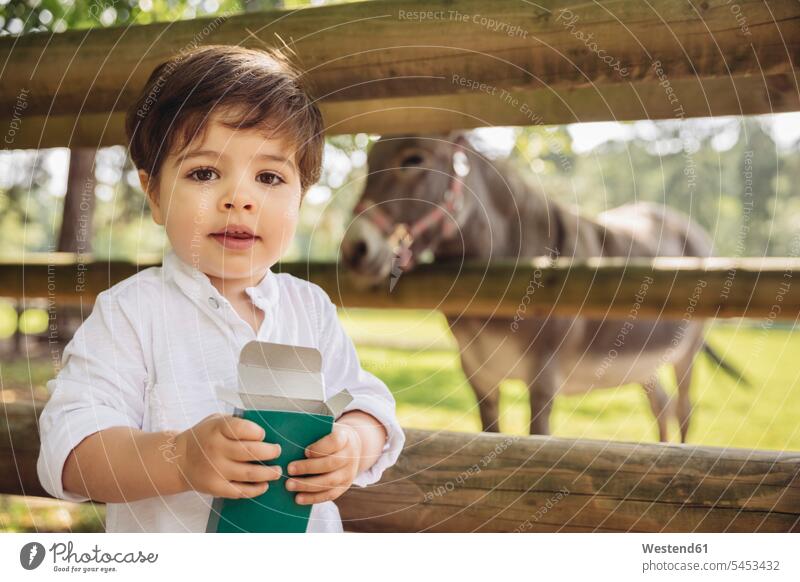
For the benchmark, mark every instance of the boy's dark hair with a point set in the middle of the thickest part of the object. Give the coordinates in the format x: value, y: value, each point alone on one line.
x: 255, y: 88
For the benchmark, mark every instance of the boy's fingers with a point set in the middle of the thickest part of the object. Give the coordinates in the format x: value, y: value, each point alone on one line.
x: 236, y: 428
x: 252, y: 451
x: 310, y: 498
x: 318, y: 482
x: 251, y: 472
x: 328, y: 444
x: 233, y: 490
x: 316, y: 466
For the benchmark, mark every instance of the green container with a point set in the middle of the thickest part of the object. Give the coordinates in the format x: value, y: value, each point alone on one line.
x: 281, y: 389
x: 275, y: 510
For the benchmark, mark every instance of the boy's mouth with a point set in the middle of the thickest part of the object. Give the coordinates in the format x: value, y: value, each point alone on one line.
x: 235, y: 237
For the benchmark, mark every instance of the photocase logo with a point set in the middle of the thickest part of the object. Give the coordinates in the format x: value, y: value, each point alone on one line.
x: 31, y: 555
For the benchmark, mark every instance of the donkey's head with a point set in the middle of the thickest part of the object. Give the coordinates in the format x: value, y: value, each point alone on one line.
x: 416, y: 200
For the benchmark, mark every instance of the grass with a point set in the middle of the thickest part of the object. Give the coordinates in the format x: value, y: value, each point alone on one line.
x: 422, y: 369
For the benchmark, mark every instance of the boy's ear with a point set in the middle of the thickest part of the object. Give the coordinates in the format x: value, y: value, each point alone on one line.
x: 151, y: 191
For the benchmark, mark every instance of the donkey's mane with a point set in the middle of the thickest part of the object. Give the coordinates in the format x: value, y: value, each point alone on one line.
x: 521, y: 202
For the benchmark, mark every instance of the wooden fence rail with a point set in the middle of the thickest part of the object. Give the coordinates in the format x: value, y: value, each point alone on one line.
x: 458, y: 64
x: 463, y: 482
x: 664, y: 287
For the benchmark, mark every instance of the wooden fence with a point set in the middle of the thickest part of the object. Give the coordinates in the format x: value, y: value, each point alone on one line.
x: 449, y: 481
x: 379, y: 67
x: 665, y: 287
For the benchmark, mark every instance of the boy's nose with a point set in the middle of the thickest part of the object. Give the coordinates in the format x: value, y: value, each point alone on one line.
x: 231, y: 205
x: 238, y: 199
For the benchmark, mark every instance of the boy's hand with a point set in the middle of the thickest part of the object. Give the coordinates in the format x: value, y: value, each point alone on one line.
x: 332, y: 460
x: 213, y: 456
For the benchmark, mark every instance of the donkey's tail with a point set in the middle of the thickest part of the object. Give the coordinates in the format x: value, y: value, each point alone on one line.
x: 725, y: 366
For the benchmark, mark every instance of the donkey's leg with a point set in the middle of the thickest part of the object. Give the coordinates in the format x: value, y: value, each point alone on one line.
x: 660, y: 405
x: 542, y: 388
x: 486, y: 388
x: 683, y: 375
x: 490, y: 410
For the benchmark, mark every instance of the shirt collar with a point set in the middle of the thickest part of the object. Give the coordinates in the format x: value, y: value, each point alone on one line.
x: 197, y: 285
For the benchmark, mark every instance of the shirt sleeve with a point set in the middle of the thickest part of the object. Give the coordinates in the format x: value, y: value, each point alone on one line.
x: 100, y: 385
x: 341, y: 369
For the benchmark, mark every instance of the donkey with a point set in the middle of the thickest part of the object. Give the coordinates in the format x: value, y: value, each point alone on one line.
x: 436, y: 194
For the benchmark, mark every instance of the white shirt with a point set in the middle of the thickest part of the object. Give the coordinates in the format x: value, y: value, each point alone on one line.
x: 150, y: 356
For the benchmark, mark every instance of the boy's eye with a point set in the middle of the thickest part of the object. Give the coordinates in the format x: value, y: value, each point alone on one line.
x: 270, y: 179
x: 208, y: 174
x: 202, y: 174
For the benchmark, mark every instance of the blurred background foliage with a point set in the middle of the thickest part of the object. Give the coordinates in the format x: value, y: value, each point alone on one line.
x: 651, y: 164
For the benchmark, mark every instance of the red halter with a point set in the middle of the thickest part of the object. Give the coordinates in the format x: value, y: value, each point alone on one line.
x: 402, y: 235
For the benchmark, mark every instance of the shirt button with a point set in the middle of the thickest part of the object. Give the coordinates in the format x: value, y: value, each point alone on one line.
x: 212, y: 301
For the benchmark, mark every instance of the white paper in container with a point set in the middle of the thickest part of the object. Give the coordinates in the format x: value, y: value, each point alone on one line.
x: 283, y: 377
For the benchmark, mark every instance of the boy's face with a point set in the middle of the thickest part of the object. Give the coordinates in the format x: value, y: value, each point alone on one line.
x: 229, y: 204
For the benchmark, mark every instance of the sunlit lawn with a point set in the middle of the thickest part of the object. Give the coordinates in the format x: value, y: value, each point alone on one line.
x: 422, y: 369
